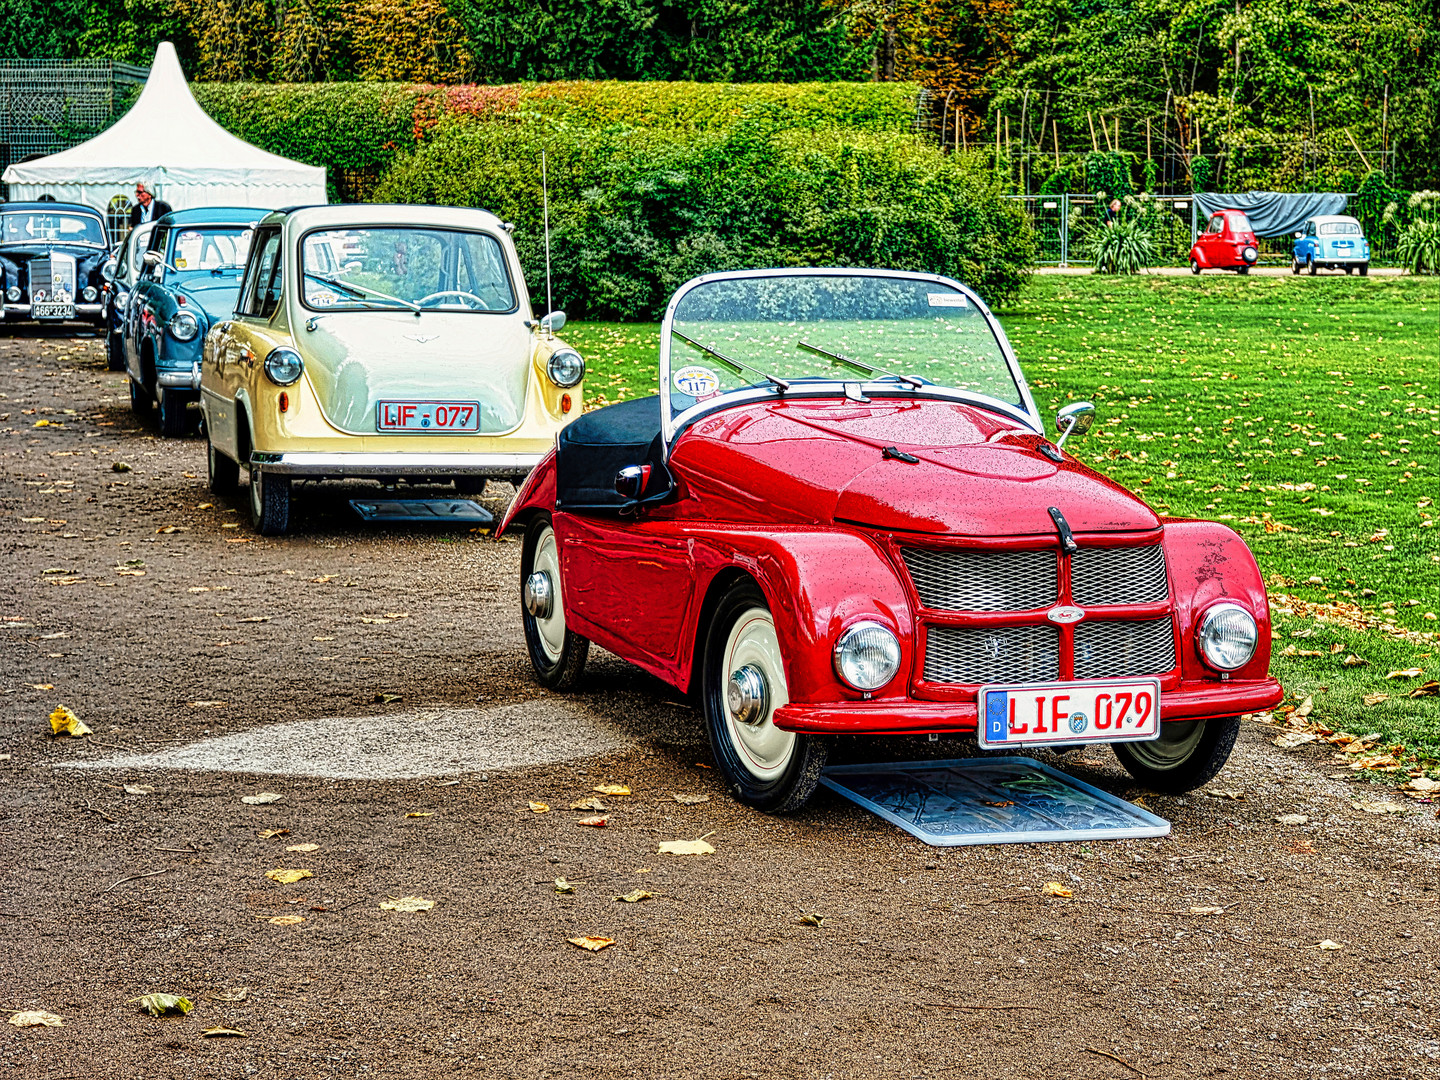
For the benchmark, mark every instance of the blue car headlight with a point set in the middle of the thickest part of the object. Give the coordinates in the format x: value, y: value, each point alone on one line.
x: 283, y: 365
x: 183, y: 326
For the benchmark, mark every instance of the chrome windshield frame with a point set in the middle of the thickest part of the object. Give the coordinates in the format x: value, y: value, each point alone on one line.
x: 1025, y: 415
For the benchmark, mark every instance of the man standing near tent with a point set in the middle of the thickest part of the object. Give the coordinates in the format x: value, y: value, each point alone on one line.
x: 147, y: 207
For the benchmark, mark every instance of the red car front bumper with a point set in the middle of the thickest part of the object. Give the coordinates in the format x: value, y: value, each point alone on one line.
x: 1190, y: 702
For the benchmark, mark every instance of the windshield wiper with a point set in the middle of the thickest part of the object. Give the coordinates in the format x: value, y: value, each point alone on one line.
x: 360, y: 292
x: 737, y: 366
x: 860, y: 365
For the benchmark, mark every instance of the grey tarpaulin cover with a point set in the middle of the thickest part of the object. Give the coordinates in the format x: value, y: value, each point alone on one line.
x: 1271, y: 213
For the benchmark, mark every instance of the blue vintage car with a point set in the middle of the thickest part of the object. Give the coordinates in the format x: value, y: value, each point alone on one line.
x: 120, y: 274
x: 1331, y: 241
x: 189, y: 278
x: 50, y: 259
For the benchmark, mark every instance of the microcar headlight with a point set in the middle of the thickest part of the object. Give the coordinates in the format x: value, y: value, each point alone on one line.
x: 867, y: 656
x: 565, y: 368
x: 90, y: 294
x: 121, y: 300
x: 13, y: 294
x: 183, y: 326
x: 1227, y: 636
x: 283, y: 365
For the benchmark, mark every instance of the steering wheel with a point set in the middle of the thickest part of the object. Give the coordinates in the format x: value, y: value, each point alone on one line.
x: 472, y: 301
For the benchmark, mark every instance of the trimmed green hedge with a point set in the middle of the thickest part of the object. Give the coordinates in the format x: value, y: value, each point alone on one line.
x: 636, y: 212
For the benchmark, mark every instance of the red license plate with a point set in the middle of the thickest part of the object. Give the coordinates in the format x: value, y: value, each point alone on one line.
x: 427, y: 416
x: 1045, y: 714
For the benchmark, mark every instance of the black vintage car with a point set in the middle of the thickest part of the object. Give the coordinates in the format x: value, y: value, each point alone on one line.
x: 51, y: 254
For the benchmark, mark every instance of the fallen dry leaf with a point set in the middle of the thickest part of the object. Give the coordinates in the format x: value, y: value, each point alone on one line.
x: 303, y: 847
x: 690, y: 800
x: 564, y: 887
x: 1381, y: 807
x: 1422, y: 786
x: 65, y: 722
x: 159, y: 1004
x: 1303, y: 709
x: 1406, y: 673
x: 1207, y: 911
x: 407, y: 903
x: 592, y: 944
x: 685, y: 847
x: 1292, y: 819
x: 810, y: 920
x: 1375, y: 699
x: 598, y: 821
x: 1354, y: 661
x: 236, y: 993
x: 286, y: 920
x: 255, y: 618
x: 288, y: 877
x: 38, y: 1018
x: 539, y: 807
x: 1291, y: 739
x: 998, y: 802
x: 1327, y: 945
x: 421, y: 813
x: 591, y: 803
x: 139, y: 789
x: 1225, y: 793
x: 634, y: 896
x: 1427, y: 689
x: 210, y: 1033
x: 263, y: 799
x: 612, y: 789
x: 208, y: 704
x: 387, y: 699
x: 1054, y: 888
x: 41, y: 686
x: 270, y: 834
x: 169, y: 529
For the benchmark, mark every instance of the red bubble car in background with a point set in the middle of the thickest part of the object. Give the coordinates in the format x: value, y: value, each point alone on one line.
x: 841, y: 514
x: 1228, y: 243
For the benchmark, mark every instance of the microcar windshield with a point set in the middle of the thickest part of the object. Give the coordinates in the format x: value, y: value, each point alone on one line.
x: 838, y: 333
x: 1340, y: 228
x: 405, y: 267
x: 212, y: 248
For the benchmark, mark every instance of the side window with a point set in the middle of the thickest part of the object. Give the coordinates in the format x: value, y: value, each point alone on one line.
x: 1217, y: 224
x: 158, y: 239
x: 1310, y: 228
x: 260, y: 292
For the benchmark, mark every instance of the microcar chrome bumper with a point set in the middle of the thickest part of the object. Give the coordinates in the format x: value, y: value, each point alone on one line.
x: 1191, y: 702
x: 304, y: 464
x: 188, y: 379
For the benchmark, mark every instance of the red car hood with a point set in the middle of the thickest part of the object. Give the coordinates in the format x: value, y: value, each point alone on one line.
x: 976, y: 474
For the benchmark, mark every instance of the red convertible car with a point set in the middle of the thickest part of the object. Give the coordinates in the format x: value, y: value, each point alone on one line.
x: 842, y: 515
x: 1228, y: 243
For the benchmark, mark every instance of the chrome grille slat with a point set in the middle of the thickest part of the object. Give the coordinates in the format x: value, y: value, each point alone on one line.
x: 969, y: 654
x: 40, y: 276
x: 1113, y: 649
x: 1126, y: 575
x: 984, y: 580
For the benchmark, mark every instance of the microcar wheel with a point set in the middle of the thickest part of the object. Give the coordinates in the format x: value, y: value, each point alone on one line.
x: 114, y: 353
x: 1187, y: 754
x: 471, y: 485
x: 1243, y: 270
x: 139, y: 400
x: 1294, y: 266
x: 1195, y: 267
x: 1364, y: 269
x: 556, y: 652
x: 269, y: 502
x: 1310, y: 263
x: 224, y: 474
x: 173, y: 417
x: 743, y: 683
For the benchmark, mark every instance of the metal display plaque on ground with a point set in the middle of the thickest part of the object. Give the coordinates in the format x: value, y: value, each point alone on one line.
x: 990, y: 800
x: 423, y: 511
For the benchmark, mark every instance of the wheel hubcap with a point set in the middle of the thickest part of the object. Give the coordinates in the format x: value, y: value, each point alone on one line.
x: 747, y: 695
x: 752, y: 655
x: 550, y: 626
x: 539, y: 601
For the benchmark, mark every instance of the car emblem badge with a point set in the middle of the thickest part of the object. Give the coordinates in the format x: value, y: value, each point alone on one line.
x: 994, y: 646
x: 1065, y: 614
x: 1078, y: 722
x: 422, y: 338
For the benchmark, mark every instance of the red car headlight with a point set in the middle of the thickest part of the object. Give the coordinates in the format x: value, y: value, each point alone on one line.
x: 1226, y: 636
x: 867, y: 656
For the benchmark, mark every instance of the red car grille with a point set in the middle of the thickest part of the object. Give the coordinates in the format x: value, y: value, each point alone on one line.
x: 954, y: 584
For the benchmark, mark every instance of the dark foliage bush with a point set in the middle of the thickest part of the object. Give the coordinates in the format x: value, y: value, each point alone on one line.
x: 635, y: 212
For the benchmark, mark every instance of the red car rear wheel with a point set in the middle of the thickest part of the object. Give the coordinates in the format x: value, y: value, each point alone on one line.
x: 556, y: 652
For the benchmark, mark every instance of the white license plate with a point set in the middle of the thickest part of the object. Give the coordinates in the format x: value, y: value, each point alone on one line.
x: 428, y: 416
x: 52, y: 311
x: 1121, y: 710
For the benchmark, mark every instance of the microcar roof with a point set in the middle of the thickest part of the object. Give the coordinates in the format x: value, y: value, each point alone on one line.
x: 215, y: 215
x: 50, y: 207
x: 355, y: 215
x: 1329, y: 219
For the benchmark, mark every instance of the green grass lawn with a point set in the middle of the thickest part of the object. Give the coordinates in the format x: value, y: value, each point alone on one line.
x: 1302, y: 412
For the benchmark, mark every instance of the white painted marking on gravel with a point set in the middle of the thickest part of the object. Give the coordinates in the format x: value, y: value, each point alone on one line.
x: 394, y: 746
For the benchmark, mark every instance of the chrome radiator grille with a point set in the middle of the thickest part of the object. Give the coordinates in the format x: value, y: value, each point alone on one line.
x: 1128, y: 575
x: 1112, y: 649
x: 967, y: 654
x: 40, y: 277
x: 983, y: 580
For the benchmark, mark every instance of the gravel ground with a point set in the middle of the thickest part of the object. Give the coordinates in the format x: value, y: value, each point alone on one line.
x: 386, y: 697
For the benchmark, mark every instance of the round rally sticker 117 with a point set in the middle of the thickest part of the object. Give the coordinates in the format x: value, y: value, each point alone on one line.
x: 696, y: 381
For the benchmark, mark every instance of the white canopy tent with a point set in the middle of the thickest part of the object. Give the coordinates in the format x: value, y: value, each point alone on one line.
x: 184, y: 157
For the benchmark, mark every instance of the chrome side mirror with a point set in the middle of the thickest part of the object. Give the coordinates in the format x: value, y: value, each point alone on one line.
x: 553, y: 322
x: 1074, y: 419
x: 108, y: 270
x: 631, y: 480
x: 153, y: 258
